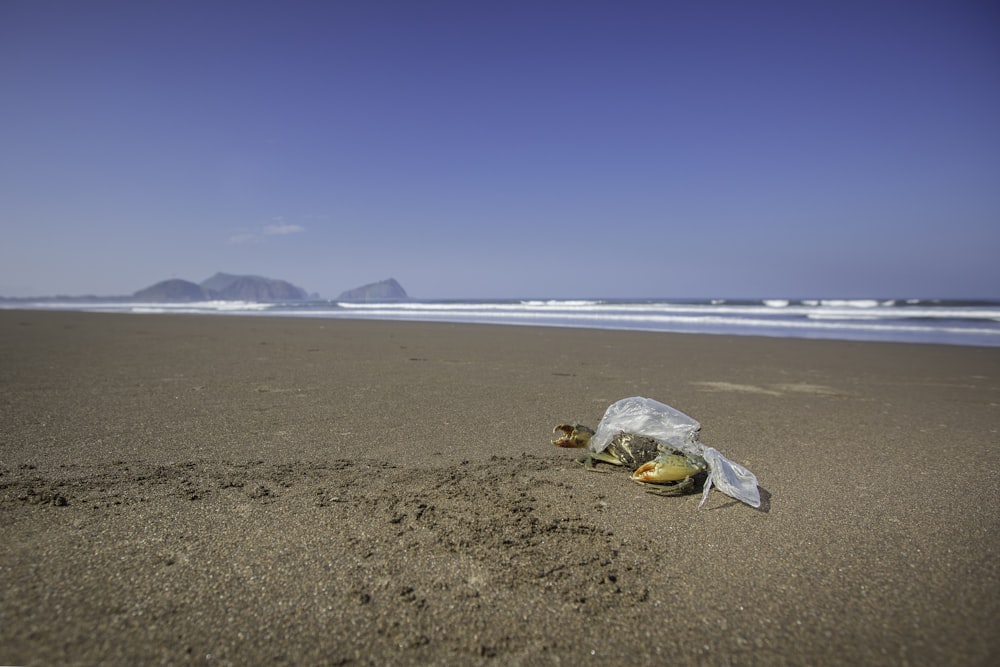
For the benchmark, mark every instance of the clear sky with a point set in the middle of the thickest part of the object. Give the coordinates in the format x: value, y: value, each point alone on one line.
x: 503, y: 149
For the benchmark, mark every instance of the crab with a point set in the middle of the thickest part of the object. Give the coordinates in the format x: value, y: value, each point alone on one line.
x: 665, y: 470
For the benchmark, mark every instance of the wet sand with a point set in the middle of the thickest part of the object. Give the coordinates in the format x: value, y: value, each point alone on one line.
x: 240, y: 490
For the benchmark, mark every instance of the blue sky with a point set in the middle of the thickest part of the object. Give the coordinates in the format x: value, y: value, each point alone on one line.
x: 503, y: 149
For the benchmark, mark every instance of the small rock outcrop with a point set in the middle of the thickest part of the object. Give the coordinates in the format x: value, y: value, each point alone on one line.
x: 384, y: 290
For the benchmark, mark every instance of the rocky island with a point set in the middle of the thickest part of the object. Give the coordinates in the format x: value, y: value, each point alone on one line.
x: 222, y: 287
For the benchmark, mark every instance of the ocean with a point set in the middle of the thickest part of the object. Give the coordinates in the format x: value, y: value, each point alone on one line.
x: 947, y: 322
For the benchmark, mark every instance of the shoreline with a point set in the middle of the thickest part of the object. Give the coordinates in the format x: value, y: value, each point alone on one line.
x: 361, y: 492
x: 941, y: 322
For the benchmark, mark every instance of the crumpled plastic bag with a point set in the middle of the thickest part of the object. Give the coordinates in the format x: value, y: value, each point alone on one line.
x: 676, y: 430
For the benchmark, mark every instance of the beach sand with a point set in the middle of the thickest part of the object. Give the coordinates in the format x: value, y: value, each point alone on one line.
x: 246, y: 490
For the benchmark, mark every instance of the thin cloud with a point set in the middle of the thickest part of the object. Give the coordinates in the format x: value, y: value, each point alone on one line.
x: 282, y: 228
x: 277, y: 228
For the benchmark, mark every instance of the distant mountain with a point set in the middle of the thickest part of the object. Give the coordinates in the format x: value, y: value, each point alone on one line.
x: 222, y: 287
x: 228, y: 287
x: 384, y: 290
x: 172, y: 290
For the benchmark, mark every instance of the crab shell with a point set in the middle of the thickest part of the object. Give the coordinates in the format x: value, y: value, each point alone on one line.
x: 649, y: 461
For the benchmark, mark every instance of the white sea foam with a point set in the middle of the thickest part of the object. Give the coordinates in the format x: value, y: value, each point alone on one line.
x: 554, y: 304
x: 200, y: 306
x: 144, y: 307
x: 850, y: 303
x: 560, y: 303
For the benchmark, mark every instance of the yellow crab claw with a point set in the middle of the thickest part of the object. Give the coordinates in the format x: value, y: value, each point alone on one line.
x: 666, y: 468
x: 573, y: 435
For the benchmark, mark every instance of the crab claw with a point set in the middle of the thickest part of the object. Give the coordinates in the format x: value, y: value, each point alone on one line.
x: 573, y: 435
x: 666, y: 468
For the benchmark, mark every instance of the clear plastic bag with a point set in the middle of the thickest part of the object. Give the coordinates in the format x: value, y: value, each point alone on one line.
x: 676, y: 430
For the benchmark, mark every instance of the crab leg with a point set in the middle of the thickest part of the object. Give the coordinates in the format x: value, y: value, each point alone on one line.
x: 591, y: 458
